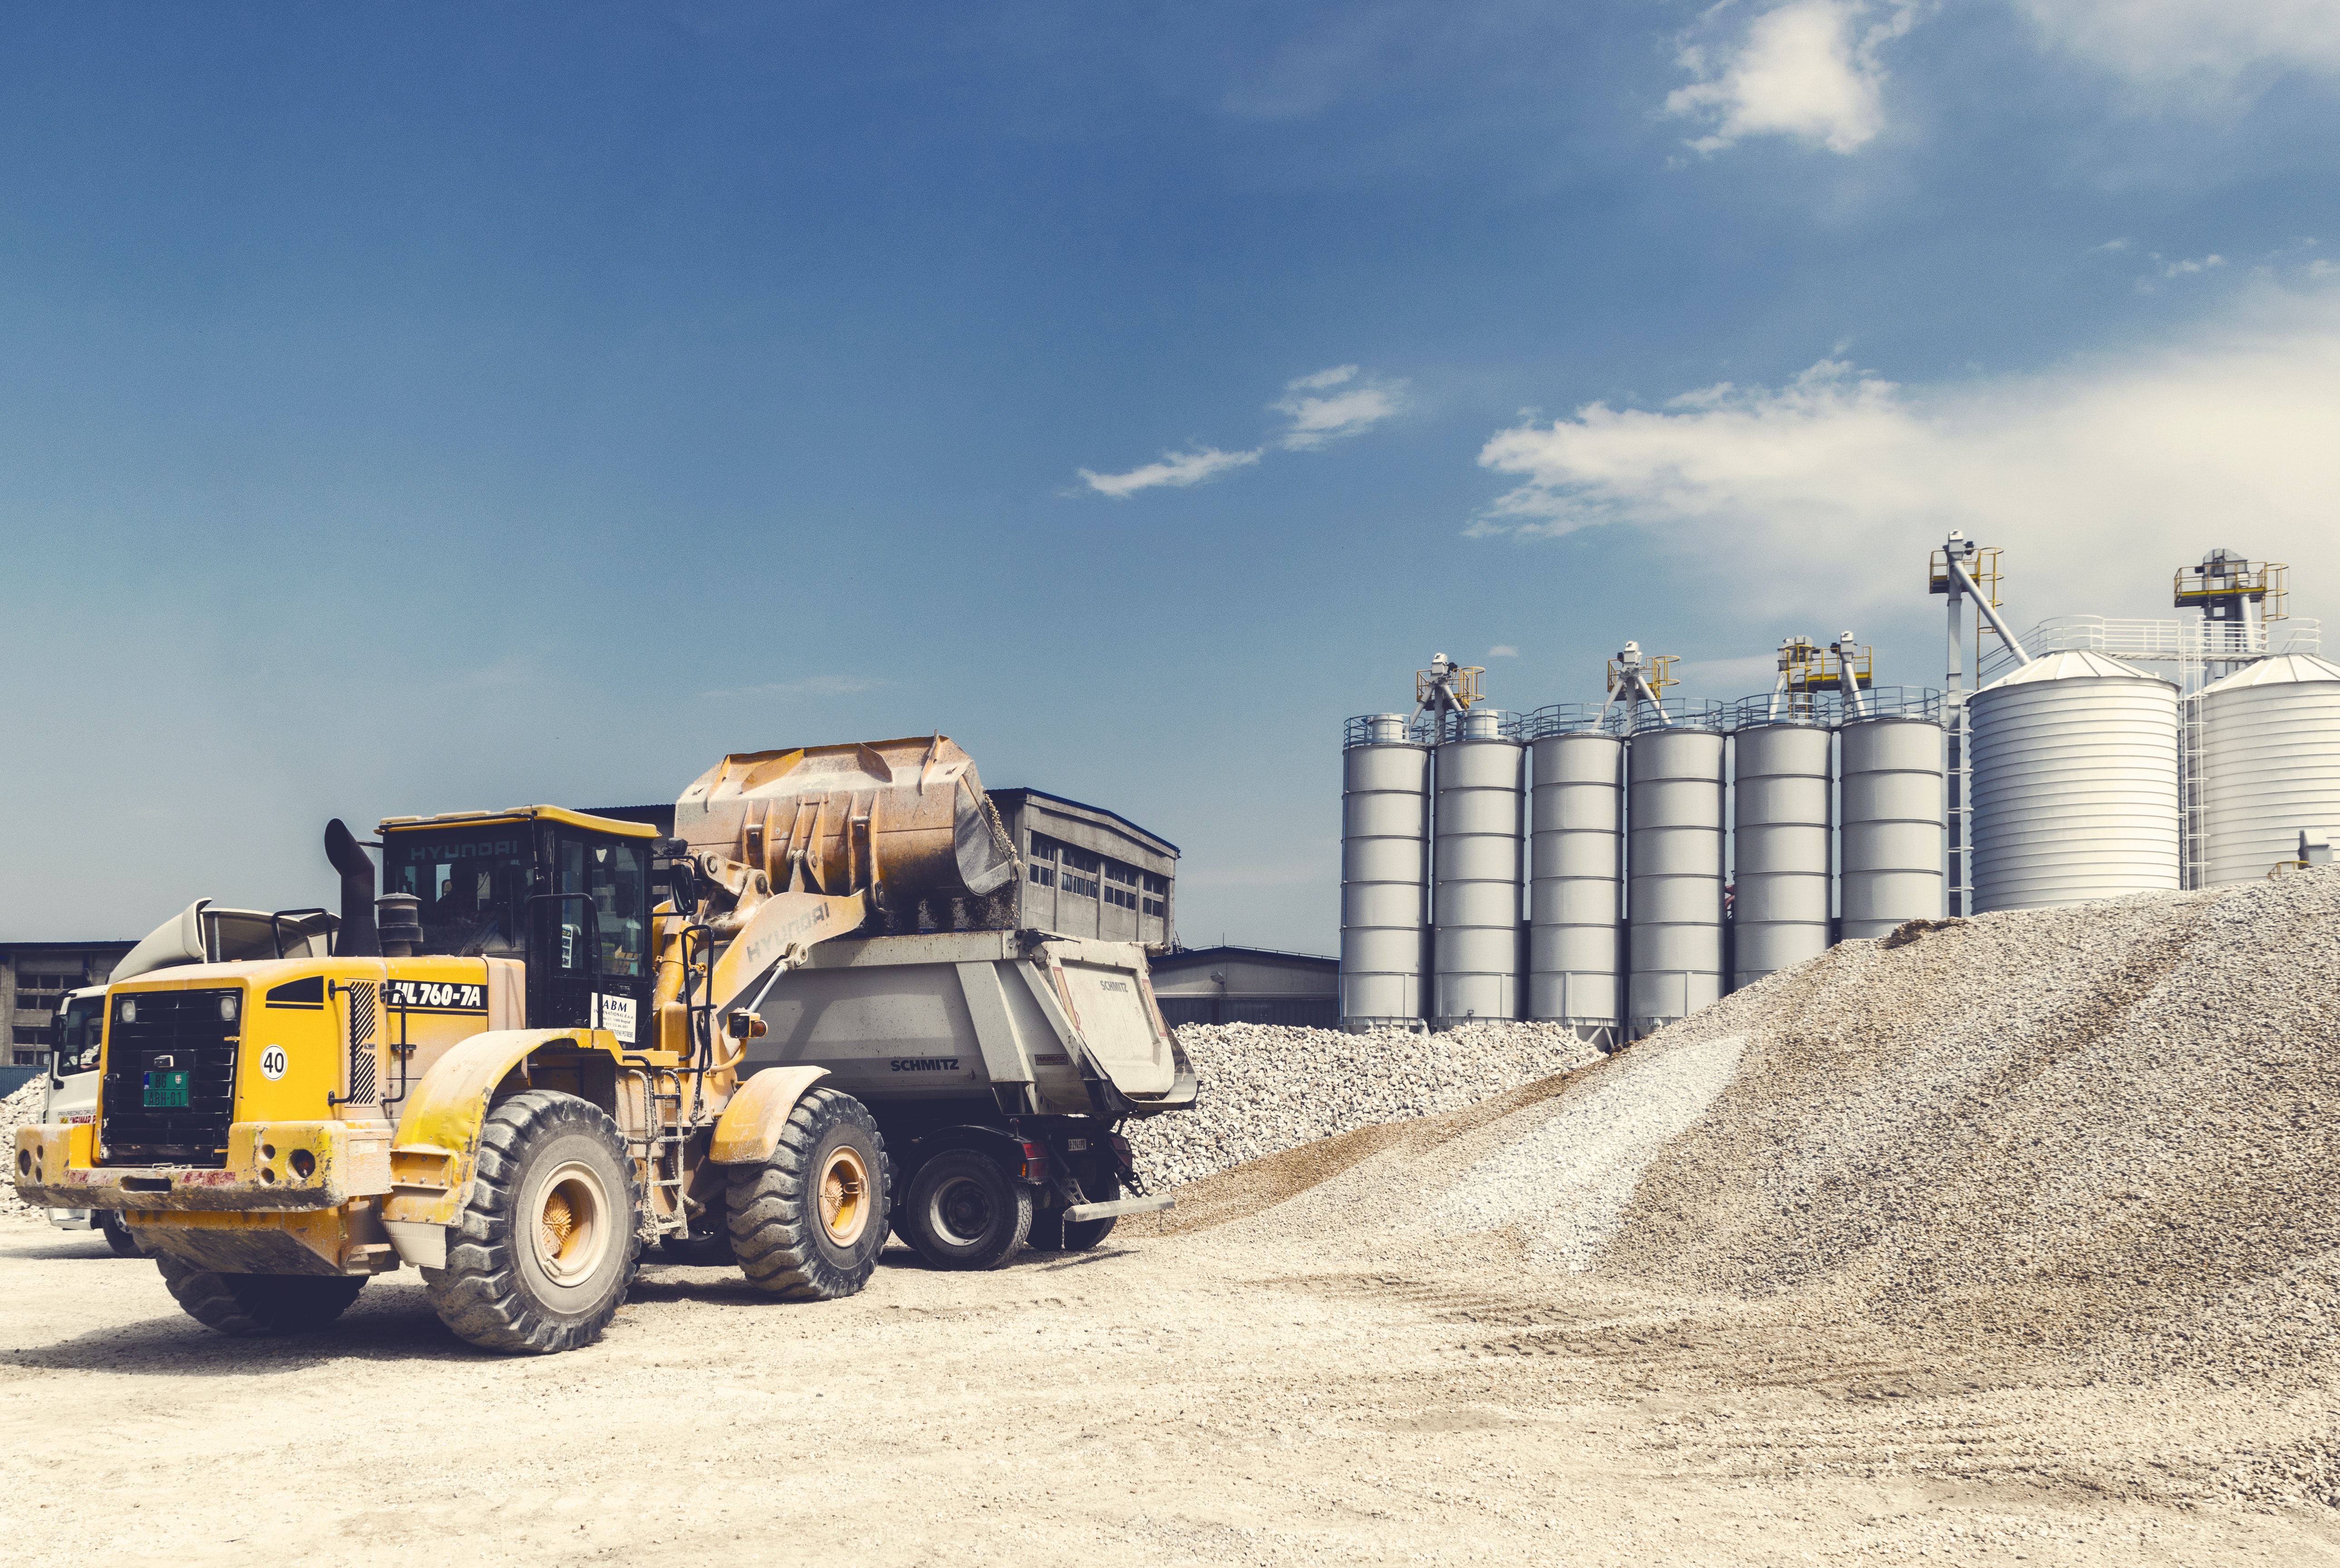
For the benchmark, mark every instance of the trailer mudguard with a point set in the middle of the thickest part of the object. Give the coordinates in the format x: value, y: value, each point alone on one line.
x: 750, y: 1128
x: 433, y: 1156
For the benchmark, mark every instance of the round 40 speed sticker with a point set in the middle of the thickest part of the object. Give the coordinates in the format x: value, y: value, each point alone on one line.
x: 272, y: 1063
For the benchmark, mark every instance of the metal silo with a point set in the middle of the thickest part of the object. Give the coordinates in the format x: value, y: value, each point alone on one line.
x: 1385, y: 872
x: 1891, y: 809
x: 1779, y: 819
x: 2075, y: 760
x: 1575, y: 889
x: 1475, y: 903
x: 2269, y: 765
x: 1674, y: 862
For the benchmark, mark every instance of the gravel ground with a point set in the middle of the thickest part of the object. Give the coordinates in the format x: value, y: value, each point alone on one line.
x: 1267, y: 1089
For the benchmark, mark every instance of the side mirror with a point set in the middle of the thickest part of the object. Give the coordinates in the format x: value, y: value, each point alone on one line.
x: 744, y: 1025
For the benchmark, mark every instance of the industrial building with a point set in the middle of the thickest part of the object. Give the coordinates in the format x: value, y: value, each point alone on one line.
x: 33, y: 976
x: 1617, y: 866
x: 1247, y: 985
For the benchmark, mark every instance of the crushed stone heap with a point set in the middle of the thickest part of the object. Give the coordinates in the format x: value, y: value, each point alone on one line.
x: 1267, y: 1088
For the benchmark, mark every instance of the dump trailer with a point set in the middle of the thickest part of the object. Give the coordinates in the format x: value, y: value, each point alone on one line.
x: 557, y: 1039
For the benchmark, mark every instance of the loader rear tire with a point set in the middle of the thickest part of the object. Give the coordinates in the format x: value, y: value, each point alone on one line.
x: 808, y: 1223
x: 965, y: 1211
x: 541, y: 1255
x: 242, y: 1305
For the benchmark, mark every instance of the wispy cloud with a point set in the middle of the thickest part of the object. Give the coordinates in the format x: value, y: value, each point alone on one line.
x: 2162, y: 41
x: 1502, y: 651
x: 1327, y: 406
x: 1175, y: 469
x: 2179, y: 269
x: 2111, y: 474
x: 1807, y: 70
x: 1334, y: 404
x: 803, y: 686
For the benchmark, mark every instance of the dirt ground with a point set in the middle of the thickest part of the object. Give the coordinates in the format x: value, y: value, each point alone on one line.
x: 1195, y: 1398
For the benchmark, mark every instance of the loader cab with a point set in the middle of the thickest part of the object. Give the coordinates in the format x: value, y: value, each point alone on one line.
x: 567, y: 893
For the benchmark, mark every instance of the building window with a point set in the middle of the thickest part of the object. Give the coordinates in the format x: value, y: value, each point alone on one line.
x: 1157, y: 899
x: 32, y: 1059
x: 1121, y: 884
x: 28, y: 1034
x: 1080, y: 869
x: 1040, y: 860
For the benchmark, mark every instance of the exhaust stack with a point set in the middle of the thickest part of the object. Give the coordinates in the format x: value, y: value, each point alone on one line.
x: 359, y: 938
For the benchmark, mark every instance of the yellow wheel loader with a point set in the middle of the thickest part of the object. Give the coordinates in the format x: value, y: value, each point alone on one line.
x: 548, y: 1040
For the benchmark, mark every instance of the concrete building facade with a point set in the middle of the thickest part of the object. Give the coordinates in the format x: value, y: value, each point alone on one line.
x: 33, y: 976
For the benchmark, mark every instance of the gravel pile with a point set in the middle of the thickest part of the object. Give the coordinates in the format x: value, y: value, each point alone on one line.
x: 2107, y: 1131
x: 20, y: 1109
x: 1267, y: 1088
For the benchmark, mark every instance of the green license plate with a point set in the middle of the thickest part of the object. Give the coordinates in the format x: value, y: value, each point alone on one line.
x: 166, y: 1091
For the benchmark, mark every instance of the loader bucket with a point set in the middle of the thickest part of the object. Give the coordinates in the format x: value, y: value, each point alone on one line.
x: 907, y: 816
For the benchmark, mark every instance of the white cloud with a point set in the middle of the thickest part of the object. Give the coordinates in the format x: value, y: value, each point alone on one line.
x: 2179, y: 269
x: 1355, y: 408
x: 1821, y: 496
x: 1175, y: 468
x: 1323, y: 406
x: 2169, y: 40
x: 1807, y: 69
x: 1502, y: 651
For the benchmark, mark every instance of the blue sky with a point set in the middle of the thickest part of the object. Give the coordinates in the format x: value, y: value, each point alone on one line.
x: 422, y: 408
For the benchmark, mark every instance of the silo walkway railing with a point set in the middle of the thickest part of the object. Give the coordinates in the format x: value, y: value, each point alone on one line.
x: 1821, y: 710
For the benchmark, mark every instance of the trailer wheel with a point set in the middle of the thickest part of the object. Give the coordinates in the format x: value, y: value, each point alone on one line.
x: 808, y: 1223
x: 243, y: 1305
x: 541, y: 1257
x: 1052, y: 1232
x: 117, y: 1235
x: 966, y: 1212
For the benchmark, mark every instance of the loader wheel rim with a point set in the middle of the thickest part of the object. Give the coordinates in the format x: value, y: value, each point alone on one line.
x: 845, y: 1196
x: 573, y: 1230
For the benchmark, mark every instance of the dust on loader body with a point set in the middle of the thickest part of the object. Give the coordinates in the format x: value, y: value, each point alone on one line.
x: 569, y: 1039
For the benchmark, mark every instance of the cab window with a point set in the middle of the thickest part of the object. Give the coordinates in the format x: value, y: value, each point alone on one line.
x: 79, y: 1023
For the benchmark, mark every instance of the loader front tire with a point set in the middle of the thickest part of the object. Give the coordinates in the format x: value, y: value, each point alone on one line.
x: 242, y: 1306
x: 808, y: 1223
x: 541, y: 1255
x: 965, y: 1211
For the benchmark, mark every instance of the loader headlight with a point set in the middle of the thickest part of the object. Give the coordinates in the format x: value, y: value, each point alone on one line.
x: 128, y: 1012
x: 227, y: 1008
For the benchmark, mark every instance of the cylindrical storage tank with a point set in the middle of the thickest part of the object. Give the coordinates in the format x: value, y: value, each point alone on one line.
x: 1575, y: 890
x: 1889, y: 774
x: 1780, y: 859
x: 1673, y: 861
x: 1475, y: 903
x: 1384, y: 875
x: 2075, y: 783
x: 2270, y: 766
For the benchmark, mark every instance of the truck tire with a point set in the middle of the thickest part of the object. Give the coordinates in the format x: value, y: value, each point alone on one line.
x: 965, y: 1211
x: 117, y: 1235
x: 1052, y: 1232
x: 808, y: 1223
x: 243, y: 1305
x: 540, y: 1256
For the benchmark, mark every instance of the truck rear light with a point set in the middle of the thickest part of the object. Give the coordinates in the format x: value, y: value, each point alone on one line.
x: 1035, y: 1161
